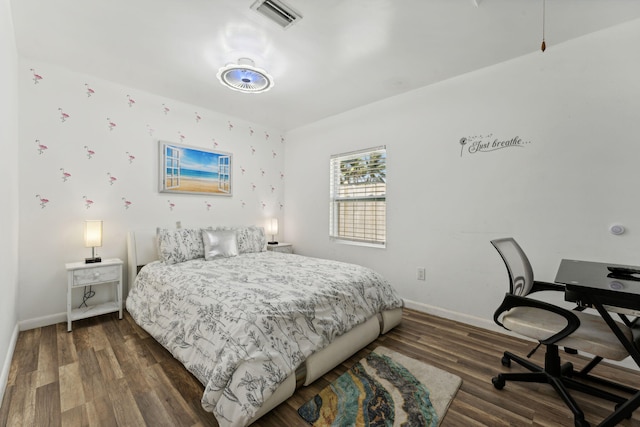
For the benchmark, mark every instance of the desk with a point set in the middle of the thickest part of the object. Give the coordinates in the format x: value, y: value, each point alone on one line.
x: 592, y: 284
x: 588, y: 282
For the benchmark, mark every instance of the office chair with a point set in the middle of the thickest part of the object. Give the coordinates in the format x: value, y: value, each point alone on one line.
x: 553, y: 327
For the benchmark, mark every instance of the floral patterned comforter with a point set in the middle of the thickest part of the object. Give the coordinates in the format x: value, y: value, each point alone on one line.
x: 243, y: 324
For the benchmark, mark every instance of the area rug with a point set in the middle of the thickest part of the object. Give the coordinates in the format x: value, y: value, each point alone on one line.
x: 384, y: 389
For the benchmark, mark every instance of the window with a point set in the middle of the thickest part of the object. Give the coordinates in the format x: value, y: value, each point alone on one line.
x: 224, y: 174
x: 172, y: 167
x: 358, y: 188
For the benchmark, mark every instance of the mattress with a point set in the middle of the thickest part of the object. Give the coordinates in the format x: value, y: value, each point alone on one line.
x: 243, y: 324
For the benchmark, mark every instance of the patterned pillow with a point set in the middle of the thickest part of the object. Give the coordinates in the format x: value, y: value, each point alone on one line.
x: 251, y: 239
x: 219, y: 244
x: 180, y: 245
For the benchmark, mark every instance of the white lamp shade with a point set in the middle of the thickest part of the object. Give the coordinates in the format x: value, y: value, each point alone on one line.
x: 92, y: 233
x: 272, y: 226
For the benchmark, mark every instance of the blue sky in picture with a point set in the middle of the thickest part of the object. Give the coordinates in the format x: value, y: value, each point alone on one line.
x: 198, y: 163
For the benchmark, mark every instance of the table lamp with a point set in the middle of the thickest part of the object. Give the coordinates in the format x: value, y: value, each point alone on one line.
x: 92, y: 239
x: 272, y: 228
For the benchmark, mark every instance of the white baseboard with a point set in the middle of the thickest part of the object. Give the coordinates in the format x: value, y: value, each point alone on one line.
x: 490, y: 325
x: 4, y: 376
x: 40, y: 322
x: 418, y: 306
x: 454, y: 315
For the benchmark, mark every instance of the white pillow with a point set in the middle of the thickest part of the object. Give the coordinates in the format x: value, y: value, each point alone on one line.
x: 250, y: 238
x: 219, y: 244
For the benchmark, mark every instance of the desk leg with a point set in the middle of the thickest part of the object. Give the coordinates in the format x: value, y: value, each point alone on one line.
x: 616, y: 330
x: 625, y: 410
x: 633, y: 403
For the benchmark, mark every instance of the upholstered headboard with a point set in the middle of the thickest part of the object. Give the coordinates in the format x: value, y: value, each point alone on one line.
x: 141, y: 250
x: 142, y: 245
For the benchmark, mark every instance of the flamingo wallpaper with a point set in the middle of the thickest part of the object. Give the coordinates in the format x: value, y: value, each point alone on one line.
x: 89, y: 150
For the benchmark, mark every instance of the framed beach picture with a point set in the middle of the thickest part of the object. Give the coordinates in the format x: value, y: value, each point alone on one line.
x: 193, y: 170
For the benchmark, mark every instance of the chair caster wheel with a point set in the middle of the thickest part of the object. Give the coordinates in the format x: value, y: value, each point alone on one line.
x: 618, y: 405
x: 582, y: 423
x: 506, y: 361
x: 498, y: 382
x: 567, y: 369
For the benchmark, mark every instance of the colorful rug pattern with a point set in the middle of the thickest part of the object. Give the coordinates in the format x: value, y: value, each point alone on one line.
x: 384, y: 389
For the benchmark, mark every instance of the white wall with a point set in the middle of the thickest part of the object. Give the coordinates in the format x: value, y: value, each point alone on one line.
x: 577, y: 107
x: 51, y: 231
x: 8, y: 192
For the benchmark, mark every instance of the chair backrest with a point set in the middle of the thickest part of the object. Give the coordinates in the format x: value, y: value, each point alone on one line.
x: 518, y: 266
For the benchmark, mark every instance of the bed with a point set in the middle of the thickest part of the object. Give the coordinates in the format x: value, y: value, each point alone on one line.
x: 252, y: 325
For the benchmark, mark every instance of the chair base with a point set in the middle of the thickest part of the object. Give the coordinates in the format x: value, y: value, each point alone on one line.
x: 560, y: 376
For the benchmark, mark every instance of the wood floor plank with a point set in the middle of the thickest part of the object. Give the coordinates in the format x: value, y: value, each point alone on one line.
x: 76, y: 417
x: 26, y: 349
x: 71, y: 386
x: 170, y: 398
x: 66, y: 348
x: 140, y: 353
x: 48, y: 356
x: 93, y: 382
x: 22, y: 399
x: 188, y: 387
x: 6, y: 404
x: 152, y: 410
x: 83, y: 334
x: 100, y: 412
x: 125, y: 409
x: 109, y: 366
x: 110, y: 372
x: 47, y: 407
x: 119, y: 349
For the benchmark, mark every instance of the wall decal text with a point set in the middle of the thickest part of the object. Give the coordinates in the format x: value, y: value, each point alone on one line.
x: 488, y: 143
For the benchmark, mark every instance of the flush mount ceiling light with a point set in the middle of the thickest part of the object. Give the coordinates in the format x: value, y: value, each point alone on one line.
x: 245, y: 77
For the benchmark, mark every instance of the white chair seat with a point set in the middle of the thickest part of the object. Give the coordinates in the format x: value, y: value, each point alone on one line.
x: 593, y: 336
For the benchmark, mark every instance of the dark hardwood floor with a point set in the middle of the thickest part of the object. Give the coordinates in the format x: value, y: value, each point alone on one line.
x: 109, y: 372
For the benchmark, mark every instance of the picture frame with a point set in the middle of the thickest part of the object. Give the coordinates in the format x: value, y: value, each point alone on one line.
x: 194, y: 170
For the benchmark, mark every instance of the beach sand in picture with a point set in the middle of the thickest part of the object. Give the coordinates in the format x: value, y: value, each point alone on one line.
x: 198, y: 186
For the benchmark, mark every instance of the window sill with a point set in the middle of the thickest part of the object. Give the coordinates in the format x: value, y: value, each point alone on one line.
x: 356, y: 243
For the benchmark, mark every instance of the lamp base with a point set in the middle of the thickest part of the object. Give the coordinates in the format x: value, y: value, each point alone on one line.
x: 272, y: 243
x: 92, y: 260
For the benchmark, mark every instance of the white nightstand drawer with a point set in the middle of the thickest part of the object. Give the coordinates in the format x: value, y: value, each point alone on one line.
x: 96, y: 275
x: 285, y: 248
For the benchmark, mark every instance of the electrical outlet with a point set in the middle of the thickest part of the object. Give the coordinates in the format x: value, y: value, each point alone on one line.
x: 422, y: 273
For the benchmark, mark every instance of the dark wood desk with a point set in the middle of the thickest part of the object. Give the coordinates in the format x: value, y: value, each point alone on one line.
x: 593, y: 284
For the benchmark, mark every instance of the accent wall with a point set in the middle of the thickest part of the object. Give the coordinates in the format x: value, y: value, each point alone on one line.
x: 89, y: 150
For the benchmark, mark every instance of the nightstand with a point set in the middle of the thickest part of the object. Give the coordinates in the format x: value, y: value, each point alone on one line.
x: 285, y: 248
x: 81, y: 275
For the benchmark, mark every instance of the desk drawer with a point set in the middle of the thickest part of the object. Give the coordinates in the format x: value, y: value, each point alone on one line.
x: 96, y: 275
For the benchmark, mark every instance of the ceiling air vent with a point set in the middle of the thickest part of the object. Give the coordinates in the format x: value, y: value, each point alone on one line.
x: 277, y: 11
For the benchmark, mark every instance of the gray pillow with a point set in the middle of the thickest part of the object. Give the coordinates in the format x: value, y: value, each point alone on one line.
x: 219, y: 244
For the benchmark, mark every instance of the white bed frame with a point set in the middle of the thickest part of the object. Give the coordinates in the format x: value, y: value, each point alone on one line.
x: 141, y: 250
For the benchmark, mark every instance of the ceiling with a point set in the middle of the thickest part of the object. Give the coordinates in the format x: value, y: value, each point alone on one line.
x: 342, y: 54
